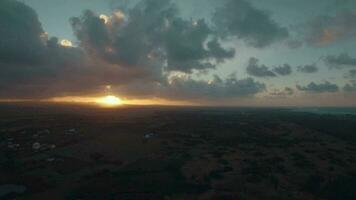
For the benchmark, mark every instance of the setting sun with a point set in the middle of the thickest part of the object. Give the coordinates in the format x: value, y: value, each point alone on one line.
x: 110, y: 101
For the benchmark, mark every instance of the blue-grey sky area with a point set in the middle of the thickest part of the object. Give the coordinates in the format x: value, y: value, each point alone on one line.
x: 226, y: 52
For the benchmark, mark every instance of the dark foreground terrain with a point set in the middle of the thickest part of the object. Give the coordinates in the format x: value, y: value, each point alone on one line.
x: 73, y: 152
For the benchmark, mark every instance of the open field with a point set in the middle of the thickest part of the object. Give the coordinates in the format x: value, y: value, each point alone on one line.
x: 78, y: 152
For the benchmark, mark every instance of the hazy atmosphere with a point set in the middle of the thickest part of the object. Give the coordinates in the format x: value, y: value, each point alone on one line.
x: 226, y: 52
x: 178, y: 99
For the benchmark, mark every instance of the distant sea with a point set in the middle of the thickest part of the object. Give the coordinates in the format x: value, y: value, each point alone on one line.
x: 329, y: 110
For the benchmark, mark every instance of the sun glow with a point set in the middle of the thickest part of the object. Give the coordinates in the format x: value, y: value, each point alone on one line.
x: 110, y: 101
x: 66, y: 43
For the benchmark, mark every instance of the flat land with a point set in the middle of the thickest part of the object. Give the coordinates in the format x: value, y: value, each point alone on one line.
x: 82, y: 152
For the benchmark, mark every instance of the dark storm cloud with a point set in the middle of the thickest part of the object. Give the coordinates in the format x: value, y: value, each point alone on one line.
x: 350, y: 87
x: 28, y: 60
x: 308, y: 69
x: 133, y: 51
x: 184, y: 44
x: 20, y: 34
x: 218, y: 52
x: 152, y: 29
x: 91, y: 29
x: 254, y: 69
x: 319, y: 88
x: 34, y: 66
x: 283, y: 70
x: 340, y: 61
x: 328, y: 29
x: 241, y: 19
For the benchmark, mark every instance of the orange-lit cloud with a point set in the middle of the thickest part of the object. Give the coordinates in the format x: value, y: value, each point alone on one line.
x: 328, y: 36
x: 116, y: 16
x: 329, y: 29
x: 104, y: 18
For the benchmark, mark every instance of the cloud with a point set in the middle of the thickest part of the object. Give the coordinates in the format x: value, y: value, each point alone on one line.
x: 328, y: 29
x: 254, y: 69
x: 283, y: 70
x: 287, y: 91
x: 241, y: 19
x: 350, y: 87
x: 20, y: 34
x: 308, y: 68
x: 218, y: 88
x: 340, y: 61
x: 136, y: 52
x: 185, y: 87
x: 294, y: 44
x: 66, y: 43
x: 152, y: 30
x: 352, y: 73
x: 218, y: 52
x: 29, y: 61
x: 33, y: 65
x: 319, y: 88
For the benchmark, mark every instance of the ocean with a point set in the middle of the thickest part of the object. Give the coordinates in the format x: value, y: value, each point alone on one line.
x: 328, y: 110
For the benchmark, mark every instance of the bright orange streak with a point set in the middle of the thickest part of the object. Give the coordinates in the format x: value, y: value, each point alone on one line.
x: 110, y: 101
x: 106, y: 101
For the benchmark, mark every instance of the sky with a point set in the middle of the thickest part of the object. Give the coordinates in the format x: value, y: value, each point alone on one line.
x: 208, y: 52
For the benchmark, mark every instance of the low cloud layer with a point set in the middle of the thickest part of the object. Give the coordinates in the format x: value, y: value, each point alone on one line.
x: 255, y: 69
x: 350, y: 87
x: 263, y: 71
x: 319, y: 88
x: 283, y: 70
x: 219, y: 88
x: 340, y: 61
x: 308, y: 69
x: 287, y: 91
